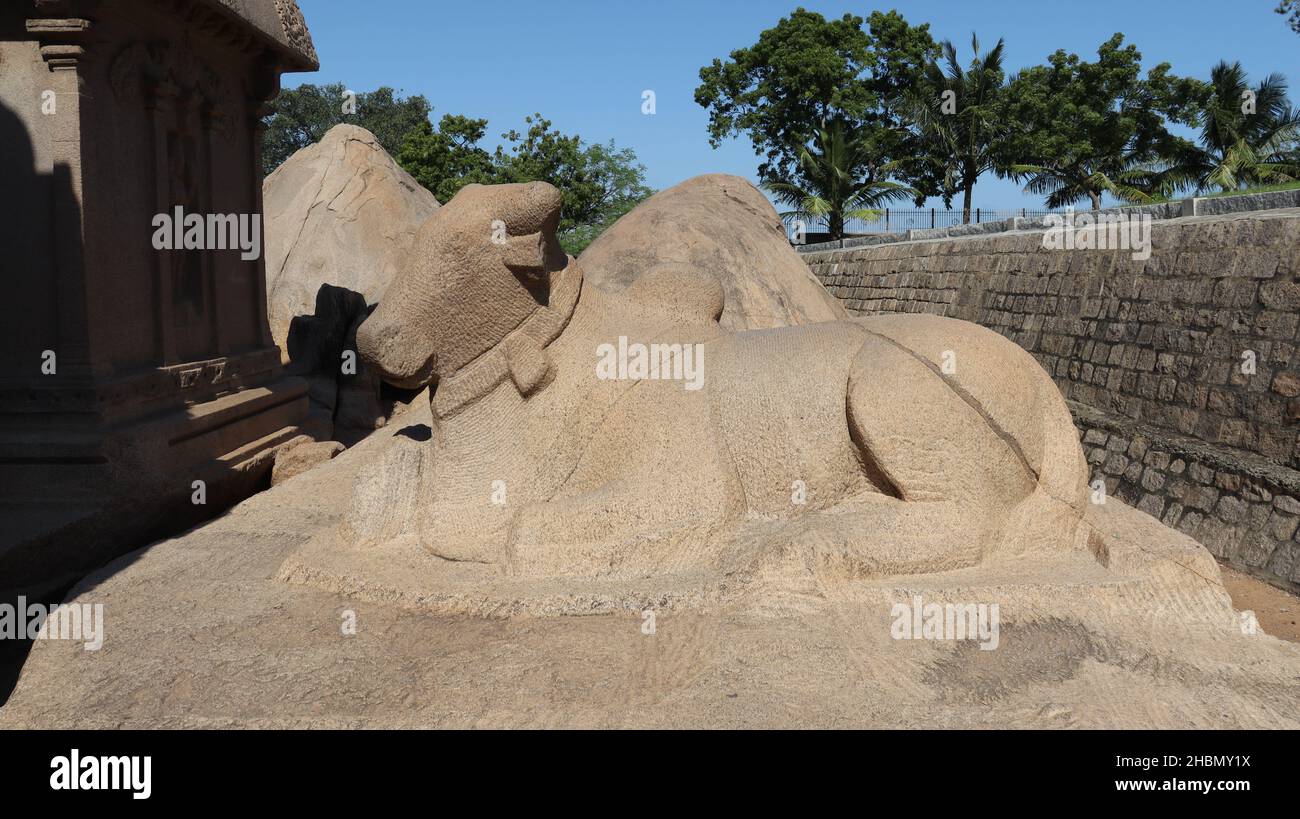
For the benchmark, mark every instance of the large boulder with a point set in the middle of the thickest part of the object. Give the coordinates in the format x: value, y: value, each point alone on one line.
x: 721, y: 224
x: 339, y: 212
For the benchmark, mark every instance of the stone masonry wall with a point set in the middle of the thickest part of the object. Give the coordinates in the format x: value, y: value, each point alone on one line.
x: 1180, y: 369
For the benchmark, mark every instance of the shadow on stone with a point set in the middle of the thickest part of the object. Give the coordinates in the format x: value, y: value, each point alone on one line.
x: 348, y: 401
x: 416, y: 432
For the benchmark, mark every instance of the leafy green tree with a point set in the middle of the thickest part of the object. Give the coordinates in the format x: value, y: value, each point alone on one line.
x: 901, y: 53
x: 838, y: 186
x: 598, y: 183
x: 448, y: 158
x: 1085, y: 129
x: 957, y: 114
x: 800, y: 72
x: 1248, y: 136
x: 807, y: 70
x: 303, y: 115
x: 612, y: 183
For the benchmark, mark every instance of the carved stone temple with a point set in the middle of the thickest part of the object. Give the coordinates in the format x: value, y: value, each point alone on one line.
x: 129, y: 374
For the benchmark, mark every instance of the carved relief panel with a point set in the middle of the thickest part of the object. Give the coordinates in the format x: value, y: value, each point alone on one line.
x: 187, y: 107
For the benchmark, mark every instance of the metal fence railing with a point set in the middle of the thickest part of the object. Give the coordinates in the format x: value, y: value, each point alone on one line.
x: 892, y: 219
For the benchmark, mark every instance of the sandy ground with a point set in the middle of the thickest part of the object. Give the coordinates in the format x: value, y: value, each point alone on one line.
x: 1278, y: 612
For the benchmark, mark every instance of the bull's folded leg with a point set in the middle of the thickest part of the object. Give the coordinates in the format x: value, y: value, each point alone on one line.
x: 617, y: 530
x: 946, y: 411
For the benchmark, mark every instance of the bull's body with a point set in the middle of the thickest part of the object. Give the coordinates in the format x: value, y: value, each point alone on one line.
x: 894, y: 444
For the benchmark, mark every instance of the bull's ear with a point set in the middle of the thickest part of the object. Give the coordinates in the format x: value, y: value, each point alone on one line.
x: 528, y: 257
x: 525, y: 255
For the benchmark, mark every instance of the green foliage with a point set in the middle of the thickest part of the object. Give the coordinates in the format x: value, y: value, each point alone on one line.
x: 803, y: 70
x: 541, y: 153
x: 598, y: 183
x: 838, y: 187
x: 1084, y: 129
x: 1248, y: 136
x: 807, y: 70
x: 449, y: 158
x: 576, y: 239
x: 957, y: 114
x: 902, y: 116
x: 304, y: 114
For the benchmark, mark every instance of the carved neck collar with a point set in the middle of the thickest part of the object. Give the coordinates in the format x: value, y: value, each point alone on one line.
x: 521, y: 356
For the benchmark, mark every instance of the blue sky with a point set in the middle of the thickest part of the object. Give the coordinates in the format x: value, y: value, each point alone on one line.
x: 584, y: 63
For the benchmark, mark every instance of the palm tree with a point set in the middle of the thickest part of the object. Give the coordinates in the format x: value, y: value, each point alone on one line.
x: 1248, y: 135
x: 837, y: 179
x: 1131, y: 178
x: 956, y: 111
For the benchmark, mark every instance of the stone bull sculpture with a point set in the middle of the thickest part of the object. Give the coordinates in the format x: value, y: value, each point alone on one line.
x: 893, y: 444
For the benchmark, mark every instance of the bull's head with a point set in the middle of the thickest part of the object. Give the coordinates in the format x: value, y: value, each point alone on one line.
x: 478, y: 268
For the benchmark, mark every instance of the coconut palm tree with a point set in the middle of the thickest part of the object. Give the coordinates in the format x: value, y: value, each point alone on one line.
x: 956, y: 111
x: 838, y: 178
x: 1130, y: 178
x: 1249, y: 136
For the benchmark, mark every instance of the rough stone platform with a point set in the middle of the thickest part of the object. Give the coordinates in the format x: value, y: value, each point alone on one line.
x: 202, y: 632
